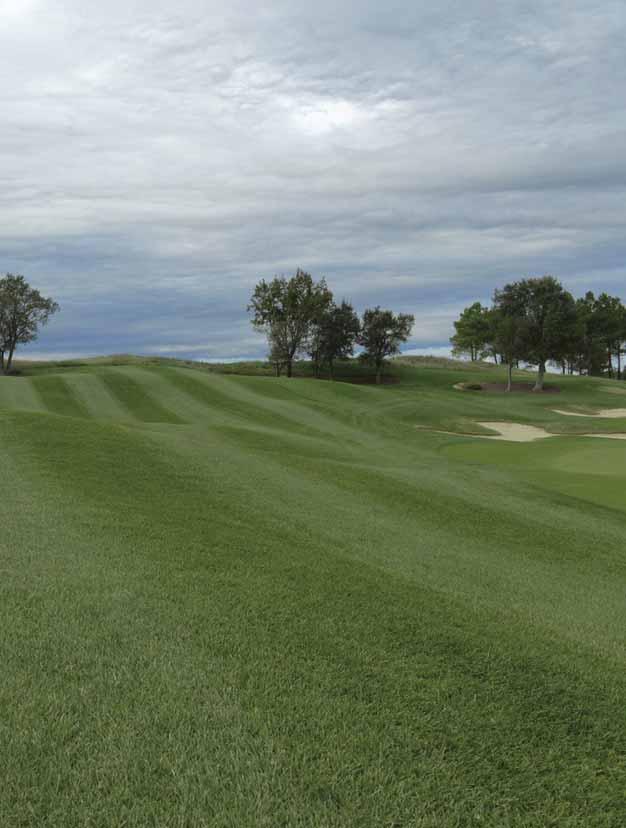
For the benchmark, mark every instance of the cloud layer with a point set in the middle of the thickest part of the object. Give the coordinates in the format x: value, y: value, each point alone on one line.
x: 156, y: 163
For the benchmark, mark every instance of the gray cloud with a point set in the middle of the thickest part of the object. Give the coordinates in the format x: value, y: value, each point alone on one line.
x: 155, y: 163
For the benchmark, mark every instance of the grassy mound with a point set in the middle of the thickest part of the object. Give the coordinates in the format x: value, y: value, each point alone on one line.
x: 243, y: 601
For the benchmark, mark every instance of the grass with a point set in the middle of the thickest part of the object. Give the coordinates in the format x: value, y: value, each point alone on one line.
x: 233, y: 600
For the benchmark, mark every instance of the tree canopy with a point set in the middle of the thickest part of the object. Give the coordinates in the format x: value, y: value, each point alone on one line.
x: 382, y: 333
x: 334, y: 335
x: 536, y: 321
x: 285, y: 310
x: 23, y: 310
x: 299, y: 315
x: 545, y: 312
x: 472, y: 331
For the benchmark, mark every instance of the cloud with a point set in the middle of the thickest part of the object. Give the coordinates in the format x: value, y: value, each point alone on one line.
x: 156, y: 160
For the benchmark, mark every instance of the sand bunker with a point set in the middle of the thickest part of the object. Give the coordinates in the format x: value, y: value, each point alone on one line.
x: 518, y: 433
x: 605, y: 413
x: 514, y: 432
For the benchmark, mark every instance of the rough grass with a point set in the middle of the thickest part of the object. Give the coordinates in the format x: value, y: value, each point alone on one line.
x: 242, y: 601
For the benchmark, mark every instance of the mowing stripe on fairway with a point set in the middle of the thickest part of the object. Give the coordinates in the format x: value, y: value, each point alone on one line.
x: 299, y: 610
x: 58, y: 397
x: 19, y: 393
x: 135, y: 396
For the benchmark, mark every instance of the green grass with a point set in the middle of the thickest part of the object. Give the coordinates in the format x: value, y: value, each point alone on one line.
x: 243, y: 601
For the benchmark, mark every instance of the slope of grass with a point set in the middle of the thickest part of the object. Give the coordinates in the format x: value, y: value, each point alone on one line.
x: 137, y: 397
x: 58, y: 397
x: 243, y: 601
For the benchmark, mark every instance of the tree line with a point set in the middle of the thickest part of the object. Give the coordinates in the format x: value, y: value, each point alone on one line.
x: 22, y: 311
x: 537, y: 322
x: 300, y: 316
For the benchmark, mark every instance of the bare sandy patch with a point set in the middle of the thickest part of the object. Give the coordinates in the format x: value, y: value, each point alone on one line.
x: 520, y: 433
x: 605, y: 413
x: 515, y: 432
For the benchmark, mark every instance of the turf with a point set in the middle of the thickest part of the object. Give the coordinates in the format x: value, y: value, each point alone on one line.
x: 234, y: 600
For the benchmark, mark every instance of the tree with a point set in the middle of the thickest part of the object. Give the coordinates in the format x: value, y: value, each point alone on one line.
x: 276, y: 355
x: 334, y: 335
x: 574, y: 353
x: 622, y: 345
x: 507, y: 335
x: 546, y: 313
x: 285, y: 309
x: 608, y: 314
x: 590, y: 348
x: 381, y: 335
x: 600, y: 336
x: 22, y: 311
x: 471, y: 332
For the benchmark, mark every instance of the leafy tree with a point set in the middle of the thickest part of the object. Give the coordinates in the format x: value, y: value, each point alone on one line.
x: 601, y: 322
x: 22, y: 311
x: 621, y: 346
x: 381, y: 335
x: 508, y: 337
x: 546, y: 313
x: 589, y: 353
x: 608, y: 316
x: 276, y: 354
x: 285, y: 309
x: 472, y: 331
x: 316, y: 334
x: 334, y: 335
x: 574, y: 354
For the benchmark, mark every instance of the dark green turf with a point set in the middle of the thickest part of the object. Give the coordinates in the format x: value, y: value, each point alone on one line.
x: 136, y: 396
x: 57, y: 396
x: 294, y: 608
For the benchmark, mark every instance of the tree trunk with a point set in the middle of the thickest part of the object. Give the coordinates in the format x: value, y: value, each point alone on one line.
x: 289, y: 366
x: 331, y: 369
x: 619, y: 363
x: 9, y: 361
x: 379, y: 373
x: 2, y: 361
x: 541, y: 372
x: 509, y: 379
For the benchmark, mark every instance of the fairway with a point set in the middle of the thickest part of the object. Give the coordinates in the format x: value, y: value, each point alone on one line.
x: 246, y: 601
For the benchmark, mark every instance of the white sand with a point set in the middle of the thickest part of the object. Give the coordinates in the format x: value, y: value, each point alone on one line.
x: 515, y: 432
x: 518, y: 433
x: 606, y: 413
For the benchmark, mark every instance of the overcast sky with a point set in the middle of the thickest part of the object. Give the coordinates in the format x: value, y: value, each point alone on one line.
x: 158, y: 158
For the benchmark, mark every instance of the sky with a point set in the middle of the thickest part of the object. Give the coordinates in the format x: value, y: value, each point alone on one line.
x: 157, y: 159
